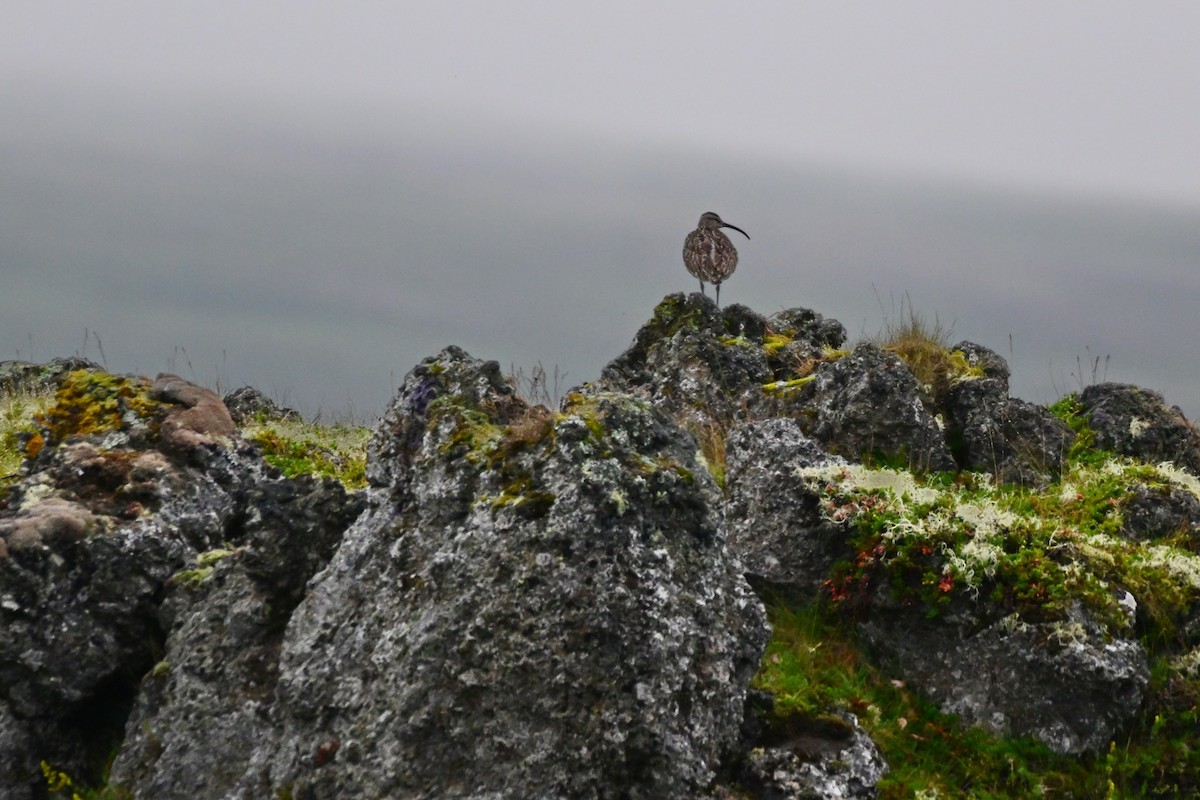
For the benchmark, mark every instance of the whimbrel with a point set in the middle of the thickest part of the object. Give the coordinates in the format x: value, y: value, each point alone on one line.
x: 708, y: 254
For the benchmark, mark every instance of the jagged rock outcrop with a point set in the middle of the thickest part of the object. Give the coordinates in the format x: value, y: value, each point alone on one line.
x: 1016, y: 441
x: 534, y: 606
x: 707, y: 366
x: 701, y: 364
x: 248, y: 404
x: 94, y: 533
x: 225, y: 620
x: 829, y: 757
x: 771, y: 518
x: 1065, y: 682
x: 24, y: 374
x: 868, y: 405
x: 557, y: 603
x: 1137, y: 422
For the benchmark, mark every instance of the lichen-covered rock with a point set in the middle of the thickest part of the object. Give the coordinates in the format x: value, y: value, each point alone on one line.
x: 98, y: 524
x: 24, y: 375
x: 988, y: 361
x: 1068, y: 682
x: 868, y: 405
x: 248, y: 404
x: 224, y: 621
x: 1156, y: 512
x: 771, y: 519
x: 698, y: 363
x: 1016, y: 441
x: 534, y: 605
x: 808, y: 333
x: 1138, y: 422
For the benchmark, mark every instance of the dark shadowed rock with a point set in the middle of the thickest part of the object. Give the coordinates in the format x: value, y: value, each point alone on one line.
x: 248, y: 404
x: 819, y: 757
x: 224, y: 621
x: 808, y: 331
x: 771, y: 519
x: 1016, y: 441
x: 868, y: 405
x: 533, y: 606
x: 1158, y: 512
x: 1137, y: 422
x: 1065, y: 682
x: 94, y: 532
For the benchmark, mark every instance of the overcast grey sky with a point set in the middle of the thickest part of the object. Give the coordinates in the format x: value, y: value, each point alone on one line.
x: 311, y: 198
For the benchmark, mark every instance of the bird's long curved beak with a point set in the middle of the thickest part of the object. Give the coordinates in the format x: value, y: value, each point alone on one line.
x: 736, y: 228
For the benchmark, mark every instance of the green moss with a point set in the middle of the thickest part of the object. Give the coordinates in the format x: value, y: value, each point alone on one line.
x: 205, y: 564
x: 211, y: 557
x: 813, y: 665
x: 521, y: 495
x: 295, y: 448
x: 472, y: 432
x: 191, y: 577
x: 586, y: 409
x: 1083, y: 450
x: 672, y: 315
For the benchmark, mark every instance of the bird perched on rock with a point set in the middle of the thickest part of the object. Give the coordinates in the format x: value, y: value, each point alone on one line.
x: 708, y: 254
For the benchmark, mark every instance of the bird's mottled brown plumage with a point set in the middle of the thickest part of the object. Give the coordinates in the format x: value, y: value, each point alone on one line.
x: 708, y: 254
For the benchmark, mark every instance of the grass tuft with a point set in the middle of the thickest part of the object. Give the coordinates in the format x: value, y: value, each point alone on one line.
x: 295, y: 447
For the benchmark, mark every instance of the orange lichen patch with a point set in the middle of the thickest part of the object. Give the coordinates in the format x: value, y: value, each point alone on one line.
x: 34, y: 445
x: 90, y: 401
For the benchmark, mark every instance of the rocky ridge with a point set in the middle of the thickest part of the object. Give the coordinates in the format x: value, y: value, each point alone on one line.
x: 527, y: 602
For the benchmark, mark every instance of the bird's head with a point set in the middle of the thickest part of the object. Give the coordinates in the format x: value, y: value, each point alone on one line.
x: 710, y: 220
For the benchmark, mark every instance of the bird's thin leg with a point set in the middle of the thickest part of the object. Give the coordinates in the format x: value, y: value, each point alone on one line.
x: 702, y: 289
x: 718, y: 295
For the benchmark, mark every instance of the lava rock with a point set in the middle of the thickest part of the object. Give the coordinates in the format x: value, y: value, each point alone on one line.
x: 700, y: 364
x: 1156, y: 512
x: 94, y: 529
x: 24, y: 375
x: 1066, y: 682
x: 1016, y: 441
x: 991, y: 363
x: 215, y: 681
x: 771, y: 520
x: 867, y: 405
x: 532, y: 606
x: 1137, y: 422
x: 821, y: 757
x: 248, y: 404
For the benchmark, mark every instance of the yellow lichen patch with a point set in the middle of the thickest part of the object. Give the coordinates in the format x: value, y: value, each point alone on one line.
x: 774, y: 342
x: 780, y: 388
x: 90, y: 401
